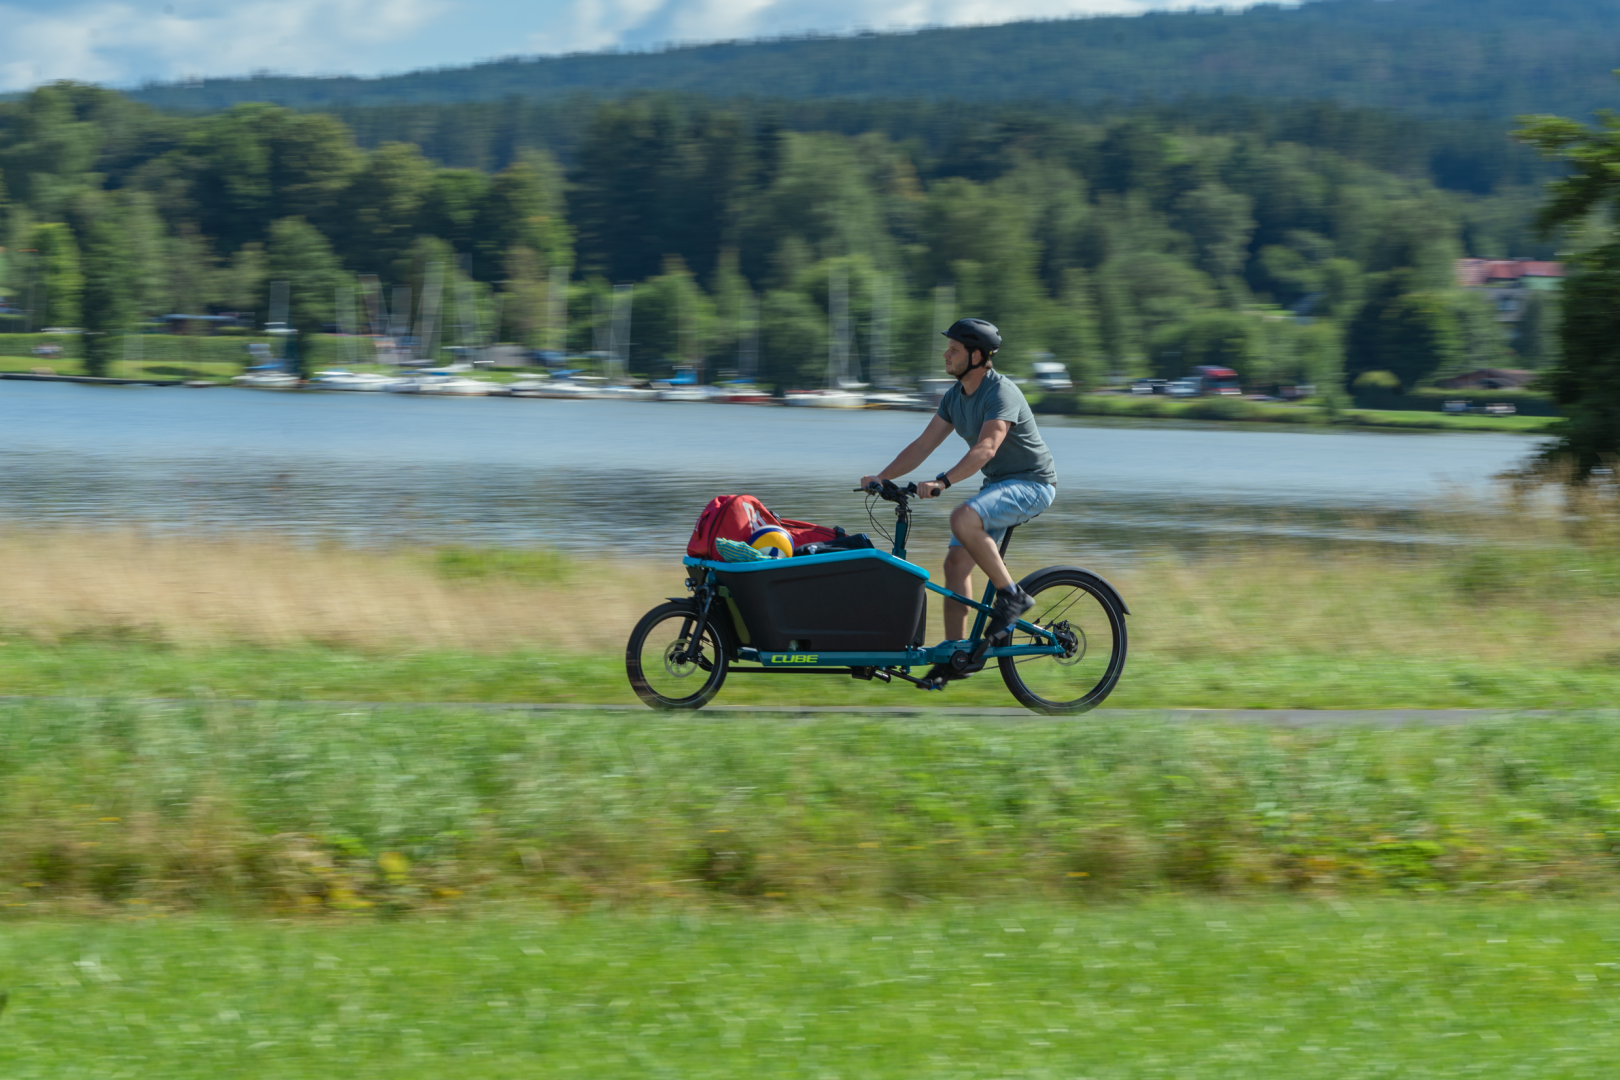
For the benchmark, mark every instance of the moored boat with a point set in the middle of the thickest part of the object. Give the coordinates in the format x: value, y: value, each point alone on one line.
x: 825, y: 399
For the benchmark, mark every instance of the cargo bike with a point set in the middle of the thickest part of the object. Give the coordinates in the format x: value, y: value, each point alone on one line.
x: 862, y: 614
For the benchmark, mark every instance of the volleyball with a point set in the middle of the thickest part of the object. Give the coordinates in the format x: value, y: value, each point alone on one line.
x: 773, y: 541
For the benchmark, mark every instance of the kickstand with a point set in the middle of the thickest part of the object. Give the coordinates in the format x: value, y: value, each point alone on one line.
x: 914, y: 681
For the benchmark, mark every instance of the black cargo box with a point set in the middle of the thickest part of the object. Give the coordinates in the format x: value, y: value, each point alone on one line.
x: 847, y: 601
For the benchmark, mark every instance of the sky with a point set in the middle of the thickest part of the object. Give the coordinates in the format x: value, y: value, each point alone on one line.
x: 128, y: 42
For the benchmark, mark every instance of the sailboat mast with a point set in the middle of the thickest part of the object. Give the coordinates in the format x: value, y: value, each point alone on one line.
x: 838, y: 327
x: 623, y: 295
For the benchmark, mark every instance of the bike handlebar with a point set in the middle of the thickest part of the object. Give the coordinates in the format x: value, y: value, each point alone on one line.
x: 889, y: 491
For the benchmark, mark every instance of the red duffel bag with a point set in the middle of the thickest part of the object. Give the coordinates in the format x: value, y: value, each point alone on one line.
x: 737, y: 517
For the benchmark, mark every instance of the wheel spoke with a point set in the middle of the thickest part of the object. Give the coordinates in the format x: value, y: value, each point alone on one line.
x: 1049, y: 616
x: 658, y: 673
x: 1050, y: 683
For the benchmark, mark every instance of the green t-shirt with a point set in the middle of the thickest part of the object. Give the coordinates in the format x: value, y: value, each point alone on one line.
x: 1023, y: 454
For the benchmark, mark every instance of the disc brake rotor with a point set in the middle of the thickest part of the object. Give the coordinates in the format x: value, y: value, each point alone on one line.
x: 675, y: 666
x: 1073, y: 641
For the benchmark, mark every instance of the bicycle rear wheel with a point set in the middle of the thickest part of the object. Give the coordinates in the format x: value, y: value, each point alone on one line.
x: 657, y: 677
x: 1089, y: 620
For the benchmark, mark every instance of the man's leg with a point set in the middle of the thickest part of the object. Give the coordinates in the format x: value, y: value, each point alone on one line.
x: 973, y: 546
x: 1011, y: 601
x: 968, y: 528
x: 958, y: 579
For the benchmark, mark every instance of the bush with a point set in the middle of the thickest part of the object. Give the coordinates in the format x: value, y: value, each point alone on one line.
x: 23, y: 345
x: 1377, y: 380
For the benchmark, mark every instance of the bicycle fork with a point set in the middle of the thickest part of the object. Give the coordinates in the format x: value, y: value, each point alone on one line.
x: 704, y: 594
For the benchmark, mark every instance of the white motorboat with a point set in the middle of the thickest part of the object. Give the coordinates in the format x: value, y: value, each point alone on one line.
x: 370, y: 380
x: 350, y: 380
x: 825, y: 399
x: 564, y: 388
x: 626, y: 393
x: 268, y: 380
x: 687, y: 392
x: 457, y: 386
x: 894, y: 401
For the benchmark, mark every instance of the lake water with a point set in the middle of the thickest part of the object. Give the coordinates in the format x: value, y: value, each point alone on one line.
x: 387, y: 468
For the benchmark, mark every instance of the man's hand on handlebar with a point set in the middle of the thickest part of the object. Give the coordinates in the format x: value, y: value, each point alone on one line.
x: 886, y: 490
x: 929, y: 489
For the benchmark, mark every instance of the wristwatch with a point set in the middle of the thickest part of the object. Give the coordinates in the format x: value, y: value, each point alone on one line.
x: 943, y: 479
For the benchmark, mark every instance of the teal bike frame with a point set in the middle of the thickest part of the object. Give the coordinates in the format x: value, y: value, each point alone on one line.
x: 847, y: 663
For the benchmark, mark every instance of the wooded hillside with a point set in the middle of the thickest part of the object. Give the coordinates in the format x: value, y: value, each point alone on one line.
x: 1494, y: 58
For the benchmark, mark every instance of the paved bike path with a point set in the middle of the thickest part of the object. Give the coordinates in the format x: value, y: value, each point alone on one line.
x: 1274, y: 717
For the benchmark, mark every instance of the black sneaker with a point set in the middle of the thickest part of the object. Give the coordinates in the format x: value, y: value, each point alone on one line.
x: 938, y: 676
x: 1007, y: 609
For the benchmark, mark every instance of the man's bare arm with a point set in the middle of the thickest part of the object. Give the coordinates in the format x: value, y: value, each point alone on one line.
x: 916, y: 453
x: 983, y: 449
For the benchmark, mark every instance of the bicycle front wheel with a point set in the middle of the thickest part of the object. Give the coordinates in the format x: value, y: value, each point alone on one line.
x: 652, y: 659
x: 1089, y: 620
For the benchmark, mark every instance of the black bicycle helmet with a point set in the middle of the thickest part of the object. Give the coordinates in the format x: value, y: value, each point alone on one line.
x: 975, y: 335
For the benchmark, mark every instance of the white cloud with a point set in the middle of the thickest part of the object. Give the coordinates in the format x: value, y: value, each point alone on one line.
x: 121, y: 43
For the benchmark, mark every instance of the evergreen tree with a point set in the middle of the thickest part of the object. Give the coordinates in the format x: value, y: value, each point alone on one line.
x: 1585, y: 381
x: 522, y: 205
x: 60, y: 276
x: 1071, y: 332
x: 148, y: 252
x: 245, y: 279
x: 792, y: 342
x: 527, y: 293
x: 108, y: 293
x: 301, y: 256
x: 380, y: 211
x: 674, y: 320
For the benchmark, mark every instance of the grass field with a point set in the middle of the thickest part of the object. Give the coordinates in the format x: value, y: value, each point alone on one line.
x: 1168, y: 989
x: 121, y: 808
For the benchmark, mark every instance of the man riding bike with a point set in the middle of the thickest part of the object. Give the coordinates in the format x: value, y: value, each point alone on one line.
x: 989, y: 411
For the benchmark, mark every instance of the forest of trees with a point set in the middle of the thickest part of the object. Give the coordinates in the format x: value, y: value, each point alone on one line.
x: 1143, y: 242
x: 1458, y: 58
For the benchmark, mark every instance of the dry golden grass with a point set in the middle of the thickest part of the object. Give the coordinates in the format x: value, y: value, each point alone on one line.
x: 1521, y: 593
x: 265, y: 590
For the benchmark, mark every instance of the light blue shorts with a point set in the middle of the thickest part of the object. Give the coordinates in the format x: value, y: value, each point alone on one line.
x: 1009, y: 502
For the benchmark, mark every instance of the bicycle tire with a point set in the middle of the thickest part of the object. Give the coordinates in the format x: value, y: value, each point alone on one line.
x: 653, y: 688
x: 1042, y: 683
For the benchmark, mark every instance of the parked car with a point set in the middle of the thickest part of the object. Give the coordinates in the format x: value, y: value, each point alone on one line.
x: 1150, y: 386
x: 1050, y: 375
x: 1190, y: 387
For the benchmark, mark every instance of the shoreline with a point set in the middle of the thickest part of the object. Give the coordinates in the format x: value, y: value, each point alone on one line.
x: 1240, y: 411
x: 1204, y: 410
